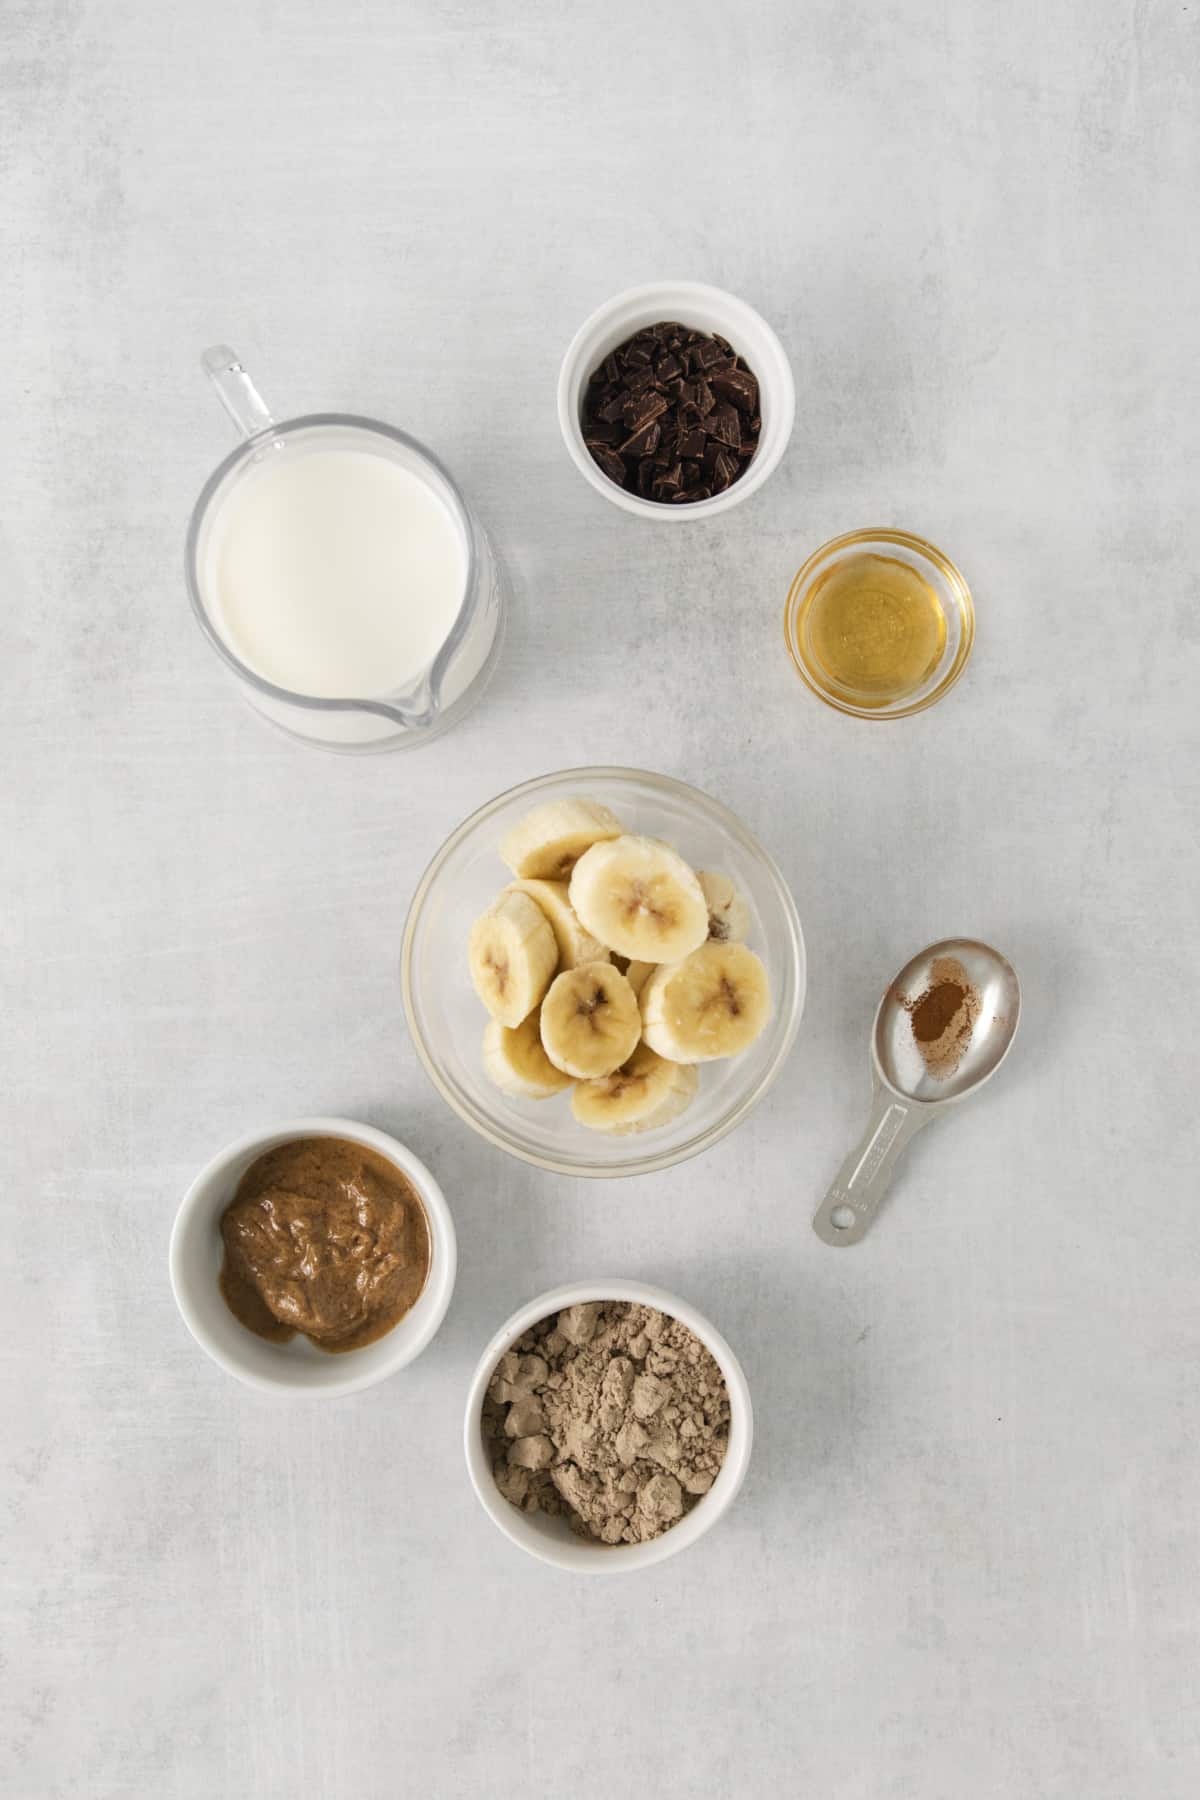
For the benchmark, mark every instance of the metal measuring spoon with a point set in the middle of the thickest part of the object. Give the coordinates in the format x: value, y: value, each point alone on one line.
x: 906, y: 1094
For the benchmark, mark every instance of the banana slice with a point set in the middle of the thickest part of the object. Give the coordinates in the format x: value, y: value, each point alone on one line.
x: 713, y: 1003
x: 637, y: 974
x: 547, y: 843
x: 590, y: 1021
x: 517, y: 1063
x: 728, y: 914
x: 575, y: 945
x: 512, y: 956
x: 648, y: 1091
x: 640, y: 898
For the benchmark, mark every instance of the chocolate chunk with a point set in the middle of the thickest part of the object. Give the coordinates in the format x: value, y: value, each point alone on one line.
x: 706, y: 353
x: 722, y: 424
x: 612, y: 412
x: 737, y: 386
x: 725, y: 470
x: 640, y: 410
x: 612, y: 369
x: 667, y: 368
x: 644, y: 441
x: 639, y: 377
x: 691, y: 443
x: 608, y: 460
x: 705, y: 399
x: 668, y: 484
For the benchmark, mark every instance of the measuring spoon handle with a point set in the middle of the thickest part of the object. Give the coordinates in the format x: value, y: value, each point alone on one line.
x: 847, y: 1210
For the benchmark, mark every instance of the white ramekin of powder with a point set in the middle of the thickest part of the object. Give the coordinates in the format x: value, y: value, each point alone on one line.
x: 555, y: 1537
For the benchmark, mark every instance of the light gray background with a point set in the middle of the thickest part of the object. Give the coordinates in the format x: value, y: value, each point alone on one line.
x: 965, y: 1562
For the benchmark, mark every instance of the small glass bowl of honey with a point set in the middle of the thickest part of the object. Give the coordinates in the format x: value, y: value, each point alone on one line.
x: 879, y: 623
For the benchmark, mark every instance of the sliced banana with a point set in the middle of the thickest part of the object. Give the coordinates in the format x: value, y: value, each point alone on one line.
x: 640, y: 898
x: 575, y: 945
x: 517, y: 1063
x: 647, y: 1092
x: 713, y: 1003
x: 590, y: 1021
x: 637, y: 974
x: 728, y: 914
x: 512, y: 956
x: 547, y: 843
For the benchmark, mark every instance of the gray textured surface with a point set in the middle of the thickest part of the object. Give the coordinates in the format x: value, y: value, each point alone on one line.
x: 966, y: 1559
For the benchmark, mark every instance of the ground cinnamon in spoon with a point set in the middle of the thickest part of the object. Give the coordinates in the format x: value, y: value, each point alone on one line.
x: 935, y: 1009
x: 944, y: 1016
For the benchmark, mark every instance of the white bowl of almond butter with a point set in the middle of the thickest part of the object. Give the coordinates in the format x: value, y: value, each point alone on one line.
x: 608, y: 1426
x: 603, y: 971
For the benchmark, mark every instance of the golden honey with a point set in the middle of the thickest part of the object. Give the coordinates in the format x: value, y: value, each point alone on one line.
x: 871, y: 629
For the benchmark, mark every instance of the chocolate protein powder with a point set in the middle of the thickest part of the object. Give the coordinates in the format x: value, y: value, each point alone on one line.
x: 612, y: 1414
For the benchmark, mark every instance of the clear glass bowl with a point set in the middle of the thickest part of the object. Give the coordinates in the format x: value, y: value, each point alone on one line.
x: 447, y: 1021
x: 935, y: 568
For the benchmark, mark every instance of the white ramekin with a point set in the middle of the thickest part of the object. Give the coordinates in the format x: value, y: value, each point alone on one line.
x: 297, y: 1369
x: 551, y: 1538
x: 704, y: 308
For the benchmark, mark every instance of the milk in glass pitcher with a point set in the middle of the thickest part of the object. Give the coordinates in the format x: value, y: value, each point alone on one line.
x: 339, y: 574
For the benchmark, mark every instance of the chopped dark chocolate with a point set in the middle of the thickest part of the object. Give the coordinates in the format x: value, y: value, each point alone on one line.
x: 638, y: 377
x: 642, y: 408
x: 671, y: 414
x: 738, y: 386
x: 601, y: 432
x: 723, y: 424
x: 608, y: 460
x: 642, y: 442
x: 724, y: 471
x: 668, y: 484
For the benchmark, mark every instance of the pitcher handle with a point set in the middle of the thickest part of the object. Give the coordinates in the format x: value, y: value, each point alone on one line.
x: 236, y: 392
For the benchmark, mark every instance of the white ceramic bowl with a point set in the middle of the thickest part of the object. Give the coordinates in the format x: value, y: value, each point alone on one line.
x: 702, y: 308
x: 550, y: 1538
x: 298, y: 1369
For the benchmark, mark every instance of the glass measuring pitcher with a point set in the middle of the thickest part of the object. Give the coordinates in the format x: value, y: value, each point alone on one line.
x: 340, y: 576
